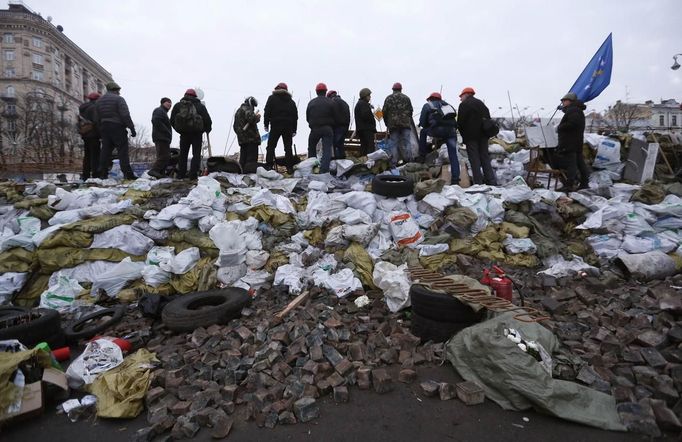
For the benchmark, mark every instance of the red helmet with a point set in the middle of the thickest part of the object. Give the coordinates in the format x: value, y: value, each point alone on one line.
x: 191, y: 92
x: 467, y: 90
x: 93, y: 96
x: 331, y: 94
x: 320, y: 87
x: 397, y: 86
x: 282, y: 86
x: 434, y: 96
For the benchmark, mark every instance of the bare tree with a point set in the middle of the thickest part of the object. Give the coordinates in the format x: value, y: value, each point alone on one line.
x: 140, y: 147
x: 622, y: 115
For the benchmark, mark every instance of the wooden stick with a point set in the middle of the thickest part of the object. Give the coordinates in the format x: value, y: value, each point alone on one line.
x: 660, y: 150
x: 293, y: 304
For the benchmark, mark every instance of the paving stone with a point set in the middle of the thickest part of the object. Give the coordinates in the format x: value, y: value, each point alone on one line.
x: 286, y: 418
x: 144, y: 435
x: 364, y: 378
x: 429, y: 388
x: 341, y: 394
x: 221, y: 427
x: 407, y: 376
x: 180, y: 408
x: 306, y: 409
x: 651, y: 338
x: 653, y: 357
x: 446, y: 391
x: 381, y: 381
x: 665, y: 417
x: 184, y: 428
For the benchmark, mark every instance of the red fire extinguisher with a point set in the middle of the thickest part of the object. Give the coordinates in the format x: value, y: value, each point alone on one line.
x: 501, y: 284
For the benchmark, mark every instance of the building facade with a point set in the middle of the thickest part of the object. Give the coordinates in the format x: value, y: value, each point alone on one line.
x: 665, y: 115
x: 44, y: 77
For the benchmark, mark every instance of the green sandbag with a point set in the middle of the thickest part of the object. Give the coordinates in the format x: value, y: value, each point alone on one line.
x: 364, y: 266
x: 425, y: 187
x: 28, y: 203
x: 193, y: 236
x: 65, y: 238
x: 649, y: 193
x: 512, y: 229
x: 460, y: 216
x: 101, y: 223
x: 57, y: 258
x: 516, y: 381
x: 201, y: 277
x: 43, y: 213
x: 17, y: 260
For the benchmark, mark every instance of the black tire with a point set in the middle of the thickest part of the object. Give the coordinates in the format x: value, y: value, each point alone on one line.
x: 440, y: 306
x: 220, y: 164
x: 82, y: 330
x: 392, y: 186
x: 436, y: 331
x: 46, y: 327
x: 202, y: 309
x: 10, y: 311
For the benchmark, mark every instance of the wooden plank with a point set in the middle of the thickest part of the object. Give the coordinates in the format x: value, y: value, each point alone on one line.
x: 293, y: 304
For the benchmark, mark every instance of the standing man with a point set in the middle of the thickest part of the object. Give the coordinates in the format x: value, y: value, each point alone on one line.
x: 365, y: 123
x: 246, y: 127
x: 190, y: 119
x: 280, y: 110
x: 87, y: 128
x: 570, y: 132
x: 398, y: 117
x: 321, y: 116
x: 472, y: 111
x: 439, y: 120
x: 341, y: 124
x: 113, y: 117
x: 162, y: 135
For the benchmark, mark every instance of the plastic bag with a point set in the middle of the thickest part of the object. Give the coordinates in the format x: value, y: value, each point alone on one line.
x: 115, y: 279
x: 231, y: 274
x: 341, y: 283
x: 154, y: 276
x: 519, y: 245
x: 161, y: 256
x: 404, y: 229
x: 185, y: 261
x: 60, y: 296
x: 290, y: 276
x: 99, y: 356
x: 256, y: 259
x: 394, y: 283
x: 560, y: 267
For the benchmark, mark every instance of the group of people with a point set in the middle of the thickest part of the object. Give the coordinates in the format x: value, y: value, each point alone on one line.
x: 104, y: 119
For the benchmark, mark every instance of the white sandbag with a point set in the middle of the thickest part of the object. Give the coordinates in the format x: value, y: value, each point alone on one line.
x: 208, y: 222
x: 608, y: 154
x: 306, y: 166
x: 266, y: 198
x: 253, y: 280
x: 256, y: 259
x: 87, y: 271
x: 432, y: 249
x: 61, y: 295
x: 230, y: 274
x: 183, y: 223
x: 99, y: 356
x: 623, y: 191
x: 393, y: 281
x: 335, y: 237
x: 227, y: 236
x: 291, y: 276
x: 352, y: 216
x: 361, y: 233
x: 161, y: 256
x: 320, y: 186
x: 10, y: 283
x: 62, y: 200
x: 207, y: 193
x: 28, y: 227
x: 341, y: 283
x: 125, y: 238
x: 635, y: 224
x: 343, y: 166
x: 404, y: 229
x: 115, y: 279
x: 560, y: 267
x: 519, y: 245
x: 648, y: 243
x: 508, y: 136
x: 268, y: 174
x: 154, y: 276
x: 185, y: 261
x: 364, y: 201
x: 605, y: 246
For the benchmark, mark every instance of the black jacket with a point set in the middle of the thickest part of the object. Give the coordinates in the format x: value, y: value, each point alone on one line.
x: 161, y: 126
x: 280, y: 109
x: 471, y: 112
x: 321, y: 112
x: 342, y: 112
x: 572, y: 127
x: 201, y: 110
x: 112, y: 108
x: 88, y: 111
x: 364, y: 117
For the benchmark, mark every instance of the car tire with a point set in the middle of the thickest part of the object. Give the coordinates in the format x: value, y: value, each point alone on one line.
x: 10, y: 311
x: 392, y: 186
x: 202, y: 309
x: 46, y: 327
x: 436, y: 331
x: 441, y: 306
x: 80, y: 329
x: 220, y: 164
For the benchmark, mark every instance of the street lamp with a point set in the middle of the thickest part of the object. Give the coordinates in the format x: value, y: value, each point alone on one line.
x: 675, y: 65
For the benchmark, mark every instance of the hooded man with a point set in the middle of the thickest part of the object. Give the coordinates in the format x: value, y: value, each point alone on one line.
x: 438, y: 119
x: 365, y: 123
x: 281, y: 115
x: 190, y: 119
x: 162, y: 135
x: 246, y: 127
x: 471, y: 112
x: 113, y: 117
x: 570, y: 132
x: 321, y: 115
x: 398, y: 117
x: 87, y: 127
x: 341, y: 124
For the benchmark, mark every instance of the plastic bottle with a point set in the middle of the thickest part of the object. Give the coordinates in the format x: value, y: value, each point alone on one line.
x: 116, y: 170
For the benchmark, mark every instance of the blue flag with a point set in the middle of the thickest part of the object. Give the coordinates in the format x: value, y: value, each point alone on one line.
x: 596, y: 75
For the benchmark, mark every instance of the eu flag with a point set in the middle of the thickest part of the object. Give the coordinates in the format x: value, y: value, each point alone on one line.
x: 596, y: 75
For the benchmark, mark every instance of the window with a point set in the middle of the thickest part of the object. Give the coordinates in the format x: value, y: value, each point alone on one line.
x: 37, y: 59
x: 37, y: 42
x: 674, y: 120
x: 8, y: 38
x: 10, y: 92
x: 9, y: 56
x: 11, y: 125
x: 10, y: 73
x: 661, y: 120
x: 37, y: 75
x: 11, y: 109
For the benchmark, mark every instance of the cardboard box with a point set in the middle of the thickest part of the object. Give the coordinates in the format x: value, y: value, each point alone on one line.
x: 53, y: 386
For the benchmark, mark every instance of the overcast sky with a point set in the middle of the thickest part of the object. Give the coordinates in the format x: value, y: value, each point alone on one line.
x: 533, y: 49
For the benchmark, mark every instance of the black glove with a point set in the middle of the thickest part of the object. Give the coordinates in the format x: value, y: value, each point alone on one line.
x: 133, y: 133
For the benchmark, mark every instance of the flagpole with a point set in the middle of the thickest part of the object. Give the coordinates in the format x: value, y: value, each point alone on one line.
x: 510, y: 107
x: 552, y: 117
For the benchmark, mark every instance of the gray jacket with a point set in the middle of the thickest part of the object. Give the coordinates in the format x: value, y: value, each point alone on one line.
x: 112, y: 109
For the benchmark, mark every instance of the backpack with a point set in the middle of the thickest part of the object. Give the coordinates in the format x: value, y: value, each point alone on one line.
x: 489, y: 127
x: 85, y: 126
x: 187, y: 118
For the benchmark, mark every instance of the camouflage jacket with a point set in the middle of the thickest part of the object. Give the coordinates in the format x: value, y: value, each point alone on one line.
x: 246, y: 125
x: 397, y: 110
